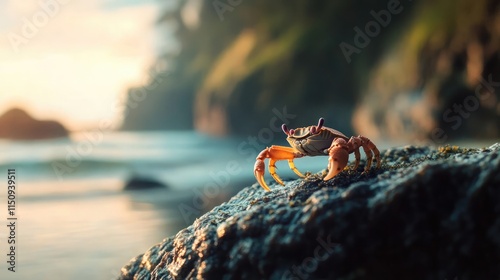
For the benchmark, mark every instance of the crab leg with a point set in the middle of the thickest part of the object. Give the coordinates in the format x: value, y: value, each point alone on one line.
x: 369, y: 147
x: 272, y: 171
x: 357, y: 156
x: 292, y: 166
x: 274, y: 153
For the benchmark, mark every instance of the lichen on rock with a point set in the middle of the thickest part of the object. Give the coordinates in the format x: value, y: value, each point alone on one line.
x: 425, y: 214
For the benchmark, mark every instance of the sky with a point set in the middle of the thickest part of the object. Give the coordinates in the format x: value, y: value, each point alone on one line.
x: 73, y: 60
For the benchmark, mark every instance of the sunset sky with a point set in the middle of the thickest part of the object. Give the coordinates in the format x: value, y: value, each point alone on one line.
x: 72, y: 60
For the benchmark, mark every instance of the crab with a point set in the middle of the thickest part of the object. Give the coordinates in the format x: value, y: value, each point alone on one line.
x: 315, y: 140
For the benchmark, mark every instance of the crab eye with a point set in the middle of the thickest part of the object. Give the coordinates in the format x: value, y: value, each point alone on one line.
x: 320, y: 123
x: 292, y: 131
x: 285, y: 129
x: 317, y: 129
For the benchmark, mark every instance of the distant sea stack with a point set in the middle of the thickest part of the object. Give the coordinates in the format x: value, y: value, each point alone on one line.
x: 16, y: 124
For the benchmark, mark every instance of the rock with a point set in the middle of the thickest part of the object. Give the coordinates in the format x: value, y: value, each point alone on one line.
x: 142, y: 183
x: 16, y: 124
x: 425, y: 214
x: 441, y: 91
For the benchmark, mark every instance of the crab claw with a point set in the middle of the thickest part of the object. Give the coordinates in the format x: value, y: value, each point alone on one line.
x: 339, y: 156
x: 258, y: 170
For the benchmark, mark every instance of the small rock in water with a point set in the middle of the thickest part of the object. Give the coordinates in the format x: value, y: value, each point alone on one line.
x: 142, y: 183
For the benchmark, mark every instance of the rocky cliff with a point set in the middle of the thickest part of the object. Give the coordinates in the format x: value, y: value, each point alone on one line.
x: 385, y: 69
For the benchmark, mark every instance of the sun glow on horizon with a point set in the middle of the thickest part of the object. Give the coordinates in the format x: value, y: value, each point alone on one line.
x: 77, y: 66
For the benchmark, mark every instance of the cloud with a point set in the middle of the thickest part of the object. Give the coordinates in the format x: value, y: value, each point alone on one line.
x: 76, y: 65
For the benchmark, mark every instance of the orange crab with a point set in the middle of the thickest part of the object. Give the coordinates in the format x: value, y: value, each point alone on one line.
x: 315, y: 140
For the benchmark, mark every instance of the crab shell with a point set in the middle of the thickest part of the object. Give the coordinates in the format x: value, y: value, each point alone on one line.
x: 314, y: 144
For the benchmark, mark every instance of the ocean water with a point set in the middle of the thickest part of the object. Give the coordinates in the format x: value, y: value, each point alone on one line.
x: 74, y: 221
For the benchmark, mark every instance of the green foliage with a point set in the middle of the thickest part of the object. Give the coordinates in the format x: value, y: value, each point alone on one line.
x: 244, y: 60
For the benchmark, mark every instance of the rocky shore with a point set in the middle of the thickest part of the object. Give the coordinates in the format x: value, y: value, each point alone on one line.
x: 427, y: 213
